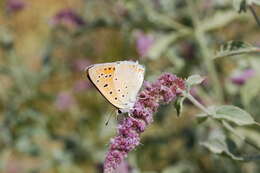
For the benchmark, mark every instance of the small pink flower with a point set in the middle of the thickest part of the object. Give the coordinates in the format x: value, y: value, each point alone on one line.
x: 143, y: 43
x: 162, y: 91
x: 241, y: 78
x: 64, y: 101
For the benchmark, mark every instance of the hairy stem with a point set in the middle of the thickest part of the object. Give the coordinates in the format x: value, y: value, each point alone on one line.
x: 224, y: 123
x: 238, y: 52
x: 254, y: 14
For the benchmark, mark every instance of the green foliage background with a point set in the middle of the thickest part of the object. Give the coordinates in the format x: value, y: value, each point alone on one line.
x: 40, y: 62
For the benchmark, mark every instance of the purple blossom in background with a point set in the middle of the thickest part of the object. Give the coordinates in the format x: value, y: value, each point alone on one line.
x: 187, y: 50
x: 68, y: 16
x: 15, y: 5
x: 81, y: 64
x: 241, y: 78
x: 82, y: 85
x: 64, y: 101
x: 164, y: 90
x: 143, y: 43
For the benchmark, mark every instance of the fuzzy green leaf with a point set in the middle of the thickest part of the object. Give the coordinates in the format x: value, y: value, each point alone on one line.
x: 179, y: 105
x: 233, y: 114
x: 218, y: 143
x: 194, y: 80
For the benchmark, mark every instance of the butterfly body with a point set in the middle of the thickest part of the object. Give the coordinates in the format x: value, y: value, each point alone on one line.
x: 119, y: 82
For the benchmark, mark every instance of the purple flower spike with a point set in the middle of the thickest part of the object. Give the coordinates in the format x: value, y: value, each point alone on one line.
x: 243, y: 77
x: 67, y: 16
x: 162, y: 91
x: 143, y: 43
x: 15, y: 5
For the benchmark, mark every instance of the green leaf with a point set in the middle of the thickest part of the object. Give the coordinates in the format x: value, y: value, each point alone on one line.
x: 250, y: 134
x: 232, y: 48
x: 194, y: 80
x: 219, y: 144
x: 233, y: 114
x: 201, y: 117
x: 234, y: 45
x: 250, y: 90
x: 179, y: 105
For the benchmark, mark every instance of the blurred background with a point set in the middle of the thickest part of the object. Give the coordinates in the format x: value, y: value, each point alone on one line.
x: 52, y: 119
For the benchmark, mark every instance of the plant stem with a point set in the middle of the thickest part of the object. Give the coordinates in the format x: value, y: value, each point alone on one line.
x: 238, y: 52
x: 224, y: 123
x: 231, y: 129
x: 254, y: 14
x: 206, y: 54
x: 196, y: 103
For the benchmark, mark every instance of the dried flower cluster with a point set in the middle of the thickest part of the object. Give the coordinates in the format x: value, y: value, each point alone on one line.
x: 162, y: 91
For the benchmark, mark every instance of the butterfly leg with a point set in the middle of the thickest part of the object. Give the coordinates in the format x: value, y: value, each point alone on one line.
x: 131, y: 116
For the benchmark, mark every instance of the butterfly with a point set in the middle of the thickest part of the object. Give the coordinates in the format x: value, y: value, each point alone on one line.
x: 119, y: 82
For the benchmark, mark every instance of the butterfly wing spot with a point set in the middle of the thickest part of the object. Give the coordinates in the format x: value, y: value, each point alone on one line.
x: 105, y: 85
x: 123, y: 95
x: 110, y: 92
x: 115, y: 98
